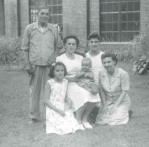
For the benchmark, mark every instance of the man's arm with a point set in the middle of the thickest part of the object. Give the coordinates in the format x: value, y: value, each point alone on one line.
x: 25, y: 48
x: 58, y: 45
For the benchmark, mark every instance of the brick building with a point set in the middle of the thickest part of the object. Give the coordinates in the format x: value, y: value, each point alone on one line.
x: 117, y: 21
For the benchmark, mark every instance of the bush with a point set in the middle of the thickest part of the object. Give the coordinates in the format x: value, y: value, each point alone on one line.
x: 11, y: 53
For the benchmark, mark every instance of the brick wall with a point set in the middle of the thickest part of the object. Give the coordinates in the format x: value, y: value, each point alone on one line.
x: 24, y: 15
x: 11, y: 23
x: 144, y: 16
x: 94, y: 16
x: 74, y: 19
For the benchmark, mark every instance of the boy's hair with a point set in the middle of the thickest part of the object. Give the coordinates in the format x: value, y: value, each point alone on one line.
x: 71, y: 37
x: 113, y: 57
x: 88, y: 60
x: 51, y: 73
x: 93, y: 35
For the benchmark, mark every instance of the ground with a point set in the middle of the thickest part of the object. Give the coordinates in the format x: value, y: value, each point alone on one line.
x: 15, y: 130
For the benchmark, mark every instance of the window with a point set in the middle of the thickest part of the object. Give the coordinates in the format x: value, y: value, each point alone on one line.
x: 119, y: 20
x: 56, y: 11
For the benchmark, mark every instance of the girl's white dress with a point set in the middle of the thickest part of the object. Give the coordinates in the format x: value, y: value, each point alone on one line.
x: 55, y: 123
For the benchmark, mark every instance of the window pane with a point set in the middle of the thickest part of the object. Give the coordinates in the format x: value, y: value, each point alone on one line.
x: 54, y: 19
x: 136, y: 16
x: 59, y: 1
x: 136, y: 26
x: 60, y: 19
x: 115, y: 17
x: 59, y: 9
x: 109, y: 7
x: 54, y: 9
x: 49, y: 2
x: 115, y: 27
x: 103, y: 17
x: 103, y: 27
x: 109, y: 26
x: 136, y: 6
x: 130, y: 6
x: 124, y: 17
x: 130, y: 16
x: 103, y: 7
x: 103, y: 36
x: 124, y: 26
x: 54, y: 2
x: 109, y: 17
x: 130, y: 26
x: 109, y: 37
x: 115, y: 7
x: 115, y: 37
x: 124, y: 6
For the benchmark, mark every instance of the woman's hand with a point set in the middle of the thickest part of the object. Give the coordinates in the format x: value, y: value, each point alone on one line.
x: 105, y: 109
x: 114, y: 109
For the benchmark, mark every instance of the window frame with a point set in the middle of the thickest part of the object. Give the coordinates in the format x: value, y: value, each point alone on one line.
x: 119, y: 22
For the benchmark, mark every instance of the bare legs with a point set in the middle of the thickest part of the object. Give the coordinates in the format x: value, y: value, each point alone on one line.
x: 83, y: 112
x: 87, y: 111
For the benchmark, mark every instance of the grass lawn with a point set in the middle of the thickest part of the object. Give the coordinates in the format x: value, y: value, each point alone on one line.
x: 15, y: 130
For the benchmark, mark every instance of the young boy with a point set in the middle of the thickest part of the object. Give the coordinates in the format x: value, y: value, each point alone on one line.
x: 86, y: 77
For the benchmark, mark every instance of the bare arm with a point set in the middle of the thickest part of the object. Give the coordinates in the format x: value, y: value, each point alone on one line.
x: 48, y: 103
x: 80, y: 74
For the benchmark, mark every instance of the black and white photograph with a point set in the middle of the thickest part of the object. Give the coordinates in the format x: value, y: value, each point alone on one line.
x: 74, y: 73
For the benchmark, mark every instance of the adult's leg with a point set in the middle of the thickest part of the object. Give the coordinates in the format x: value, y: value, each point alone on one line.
x: 80, y: 111
x: 35, y: 88
x: 87, y: 111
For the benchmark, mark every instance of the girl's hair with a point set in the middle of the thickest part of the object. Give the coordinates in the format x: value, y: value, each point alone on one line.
x: 51, y: 73
x: 71, y: 37
x: 93, y: 35
x: 113, y: 56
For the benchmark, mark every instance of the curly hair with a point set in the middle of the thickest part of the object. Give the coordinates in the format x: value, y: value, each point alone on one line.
x: 113, y: 56
x: 71, y: 37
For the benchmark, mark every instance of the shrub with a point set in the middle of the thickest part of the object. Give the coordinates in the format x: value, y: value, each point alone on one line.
x: 11, y: 53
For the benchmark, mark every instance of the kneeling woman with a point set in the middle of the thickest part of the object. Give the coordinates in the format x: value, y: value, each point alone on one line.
x: 114, y: 84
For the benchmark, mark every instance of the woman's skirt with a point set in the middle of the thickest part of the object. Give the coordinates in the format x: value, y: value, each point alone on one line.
x: 79, y: 96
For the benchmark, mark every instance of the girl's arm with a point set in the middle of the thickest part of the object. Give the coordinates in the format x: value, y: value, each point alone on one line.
x: 48, y: 103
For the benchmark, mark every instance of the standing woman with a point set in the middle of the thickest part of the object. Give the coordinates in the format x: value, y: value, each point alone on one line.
x: 114, y: 84
x: 78, y: 95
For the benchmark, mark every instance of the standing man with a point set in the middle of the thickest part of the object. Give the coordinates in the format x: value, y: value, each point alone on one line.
x: 41, y: 44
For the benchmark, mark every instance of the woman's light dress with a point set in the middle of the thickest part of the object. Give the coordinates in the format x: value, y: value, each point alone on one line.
x: 113, y: 89
x: 78, y: 95
x: 55, y: 123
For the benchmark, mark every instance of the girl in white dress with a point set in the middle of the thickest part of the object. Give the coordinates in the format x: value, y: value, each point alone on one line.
x: 59, y: 118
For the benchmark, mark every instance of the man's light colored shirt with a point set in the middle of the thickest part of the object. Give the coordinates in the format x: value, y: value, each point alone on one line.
x: 40, y: 44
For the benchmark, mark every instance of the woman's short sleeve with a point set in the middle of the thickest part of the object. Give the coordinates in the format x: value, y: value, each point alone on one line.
x: 125, y: 82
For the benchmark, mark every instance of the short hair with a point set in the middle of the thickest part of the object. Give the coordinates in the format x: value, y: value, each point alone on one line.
x: 113, y: 57
x: 86, y: 59
x: 51, y: 73
x: 93, y: 35
x: 71, y: 37
x: 42, y: 7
